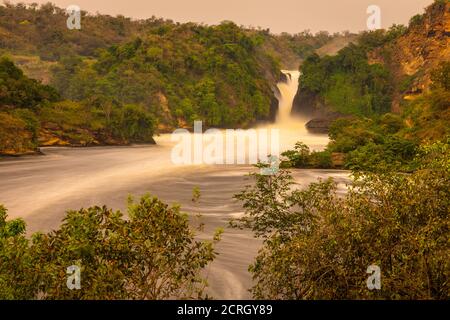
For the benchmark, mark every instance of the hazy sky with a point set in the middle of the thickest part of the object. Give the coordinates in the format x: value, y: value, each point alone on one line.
x: 278, y: 15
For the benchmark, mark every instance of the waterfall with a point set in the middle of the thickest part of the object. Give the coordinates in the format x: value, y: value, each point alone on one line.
x: 292, y: 127
x: 288, y: 91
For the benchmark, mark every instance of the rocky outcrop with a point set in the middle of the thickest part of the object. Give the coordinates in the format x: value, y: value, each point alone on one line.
x: 307, y: 104
x: 273, y: 109
x: 52, y: 135
x: 322, y: 124
x: 284, y: 77
x: 318, y: 125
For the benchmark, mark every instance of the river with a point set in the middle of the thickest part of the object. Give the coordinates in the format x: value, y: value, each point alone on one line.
x: 41, y: 188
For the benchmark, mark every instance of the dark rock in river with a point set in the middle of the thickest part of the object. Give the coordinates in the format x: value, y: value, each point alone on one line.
x: 285, y: 77
x: 322, y: 124
x: 318, y: 125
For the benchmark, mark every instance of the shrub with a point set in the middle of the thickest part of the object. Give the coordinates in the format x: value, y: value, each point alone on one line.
x: 318, y: 245
x: 152, y: 255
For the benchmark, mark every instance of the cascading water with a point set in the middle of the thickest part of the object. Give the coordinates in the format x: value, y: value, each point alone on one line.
x: 292, y: 127
x: 288, y: 90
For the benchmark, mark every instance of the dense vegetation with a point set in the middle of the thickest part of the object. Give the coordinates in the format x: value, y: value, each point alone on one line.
x: 187, y: 72
x: 181, y: 73
x: 319, y: 245
x: 151, y: 255
x: 31, y: 29
x: 20, y: 99
x: 387, y: 141
x: 41, y: 30
x: 32, y: 114
x: 347, y: 83
x: 118, y: 80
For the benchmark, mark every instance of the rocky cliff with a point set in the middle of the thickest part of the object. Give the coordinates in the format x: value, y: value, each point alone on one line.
x: 413, y: 56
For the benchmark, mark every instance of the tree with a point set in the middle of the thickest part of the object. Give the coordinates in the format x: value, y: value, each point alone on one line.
x: 151, y: 255
x: 318, y: 245
x: 18, y: 90
x: 299, y: 156
x: 18, y: 279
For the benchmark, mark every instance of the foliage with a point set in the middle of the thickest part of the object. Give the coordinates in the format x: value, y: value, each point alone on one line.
x: 318, y: 245
x: 18, y: 90
x: 441, y: 76
x: 302, y: 157
x: 189, y: 72
x: 391, y: 141
x: 392, y: 153
x: 15, y: 137
x: 299, y: 156
x: 45, y: 33
x: 151, y: 255
x: 373, y: 144
x: 27, y: 106
x: 428, y: 115
x: 416, y: 20
x: 17, y: 272
x: 347, y: 83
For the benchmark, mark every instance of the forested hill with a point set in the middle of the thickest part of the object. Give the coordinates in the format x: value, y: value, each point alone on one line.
x: 119, y: 80
x: 383, y: 72
x: 383, y: 97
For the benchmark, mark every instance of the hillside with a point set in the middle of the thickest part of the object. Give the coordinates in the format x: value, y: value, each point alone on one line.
x: 379, y: 73
x: 412, y: 57
x: 33, y: 114
x: 225, y: 75
x: 338, y: 42
x: 382, y: 98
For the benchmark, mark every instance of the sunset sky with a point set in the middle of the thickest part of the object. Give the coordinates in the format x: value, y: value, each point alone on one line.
x: 278, y: 15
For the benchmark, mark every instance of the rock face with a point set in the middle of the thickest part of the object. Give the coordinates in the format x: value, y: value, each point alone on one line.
x: 305, y: 103
x: 310, y: 105
x: 416, y: 53
x: 273, y: 109
x: 284, y: 77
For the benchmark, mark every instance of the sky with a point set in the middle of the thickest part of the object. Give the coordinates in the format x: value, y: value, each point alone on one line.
x: 278, y: 15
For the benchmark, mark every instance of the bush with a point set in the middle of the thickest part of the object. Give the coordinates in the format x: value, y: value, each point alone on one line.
x: 321, y: 160
x: 18, y: 90
x: 299, y: 157
x: 152, y: 255
x: 318, y: 245
x: 394, y: 154
x: 15, y: 137
x: 416, y: 20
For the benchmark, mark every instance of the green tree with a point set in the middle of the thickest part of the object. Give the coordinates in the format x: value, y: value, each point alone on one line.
x: 299, y: 156
x: 151, y: 255
x: 318, y: 245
